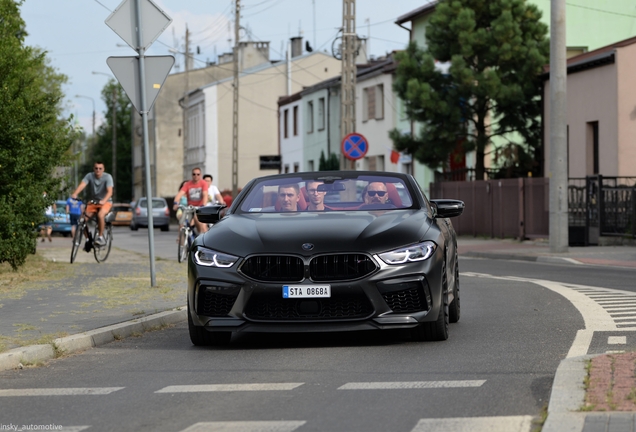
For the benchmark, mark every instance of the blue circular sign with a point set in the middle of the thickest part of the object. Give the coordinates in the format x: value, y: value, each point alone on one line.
x: 354, y: 146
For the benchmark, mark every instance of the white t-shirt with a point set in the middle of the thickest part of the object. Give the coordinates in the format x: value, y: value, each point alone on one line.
x: 213, y: 191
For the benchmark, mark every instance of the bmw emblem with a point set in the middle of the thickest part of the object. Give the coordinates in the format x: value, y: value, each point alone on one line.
x: 308, y: 246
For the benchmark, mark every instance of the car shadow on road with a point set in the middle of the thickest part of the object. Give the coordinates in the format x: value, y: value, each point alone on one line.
x: 257, y: 341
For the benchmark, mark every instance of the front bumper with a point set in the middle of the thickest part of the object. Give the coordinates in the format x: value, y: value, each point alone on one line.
x: 392, y: 297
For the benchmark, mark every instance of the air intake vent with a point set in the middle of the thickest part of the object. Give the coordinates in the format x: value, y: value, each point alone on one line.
x: 272, y: 268
x: 341, y: 267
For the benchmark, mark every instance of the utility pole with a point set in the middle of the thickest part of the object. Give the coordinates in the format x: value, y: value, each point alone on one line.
x: 186, y: 102
x: 348, y: 78
x: 235, y: 117
x: 558, y: 131
x: 114, y: 167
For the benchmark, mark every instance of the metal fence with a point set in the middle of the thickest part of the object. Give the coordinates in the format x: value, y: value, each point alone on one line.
x: 519, y: 208
x: 503, y: 208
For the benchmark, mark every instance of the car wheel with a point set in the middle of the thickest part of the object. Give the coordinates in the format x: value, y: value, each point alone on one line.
x: 454, y: 308
x: 438, y: 329
x: 133, y: 227
x: 201, y: 337
x: 165, y: 228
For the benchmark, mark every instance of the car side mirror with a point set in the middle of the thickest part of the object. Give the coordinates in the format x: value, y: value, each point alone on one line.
x: 447, y: 208
x: 210, y: 214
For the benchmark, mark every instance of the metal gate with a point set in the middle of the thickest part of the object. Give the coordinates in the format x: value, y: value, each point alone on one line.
x: 601, y: 206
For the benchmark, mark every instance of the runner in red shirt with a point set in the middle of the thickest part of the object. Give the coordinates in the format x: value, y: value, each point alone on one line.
x: 196, y: 191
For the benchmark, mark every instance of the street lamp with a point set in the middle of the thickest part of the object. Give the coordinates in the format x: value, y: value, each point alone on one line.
x: 114, y: 163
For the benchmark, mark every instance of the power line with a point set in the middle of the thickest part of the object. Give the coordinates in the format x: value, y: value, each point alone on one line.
x: 600, y: 10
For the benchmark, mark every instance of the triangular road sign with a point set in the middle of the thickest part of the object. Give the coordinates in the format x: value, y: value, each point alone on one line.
x: 153, y: 22
x: 126, y: 69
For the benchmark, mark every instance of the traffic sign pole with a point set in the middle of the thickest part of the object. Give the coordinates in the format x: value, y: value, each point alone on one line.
x: 126, y: 20
x: 144, y: 121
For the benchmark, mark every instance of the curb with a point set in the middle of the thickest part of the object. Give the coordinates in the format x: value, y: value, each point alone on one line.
x: 567, y: 397
x: 521, y: 257
x: 12, y: 359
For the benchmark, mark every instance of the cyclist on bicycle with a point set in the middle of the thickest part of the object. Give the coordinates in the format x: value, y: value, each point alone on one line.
x: 196, y: 191
x: 100, y: 191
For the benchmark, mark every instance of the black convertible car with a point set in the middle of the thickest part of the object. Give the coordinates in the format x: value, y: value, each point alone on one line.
x: 325, y: 251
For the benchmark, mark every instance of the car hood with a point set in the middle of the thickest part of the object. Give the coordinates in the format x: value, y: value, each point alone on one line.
x: 371, y: 231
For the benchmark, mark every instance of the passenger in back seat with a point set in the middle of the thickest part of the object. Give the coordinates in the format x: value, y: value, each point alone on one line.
x: 316, y: 197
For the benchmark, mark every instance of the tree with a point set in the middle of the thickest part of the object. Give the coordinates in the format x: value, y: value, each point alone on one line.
x: 34, y: 139
x: 331, y: 164
x: 103, y: 145
x: 496, y: 50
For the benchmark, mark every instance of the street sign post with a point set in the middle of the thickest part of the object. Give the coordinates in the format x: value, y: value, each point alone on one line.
x: 354, y: 146
x: 126, y: 69
x: 139, y: 23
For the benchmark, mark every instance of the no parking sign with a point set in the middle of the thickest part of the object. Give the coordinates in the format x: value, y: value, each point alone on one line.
x: 354, y: 146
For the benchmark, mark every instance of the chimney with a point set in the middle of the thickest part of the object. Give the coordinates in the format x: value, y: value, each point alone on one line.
x: 296, y: 46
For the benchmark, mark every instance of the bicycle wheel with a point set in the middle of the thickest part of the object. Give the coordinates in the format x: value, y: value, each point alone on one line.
x: 101, y: 252
x: 182, y: 252
x: 77, y: 241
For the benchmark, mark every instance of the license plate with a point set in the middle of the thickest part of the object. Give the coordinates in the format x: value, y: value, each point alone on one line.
x: 306, y: 291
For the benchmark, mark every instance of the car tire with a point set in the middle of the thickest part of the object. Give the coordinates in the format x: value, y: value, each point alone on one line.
x: 454, y: 308
x: 133, y: 227
x: 165, y: 228
x: 201, y: 337
x: 438, y: 329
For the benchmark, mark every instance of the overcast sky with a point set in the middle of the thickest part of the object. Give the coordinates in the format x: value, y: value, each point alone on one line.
x: 79, y: 42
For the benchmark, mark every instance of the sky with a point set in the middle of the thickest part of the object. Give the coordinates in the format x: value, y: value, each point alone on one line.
x: 78, y: 42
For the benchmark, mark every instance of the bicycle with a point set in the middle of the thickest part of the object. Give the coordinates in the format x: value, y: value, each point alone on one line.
x: 186, y: 232
x: 100, y: 252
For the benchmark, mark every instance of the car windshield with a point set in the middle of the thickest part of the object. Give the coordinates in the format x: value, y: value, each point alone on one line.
x: 156, y: 203
x: 325, y: 193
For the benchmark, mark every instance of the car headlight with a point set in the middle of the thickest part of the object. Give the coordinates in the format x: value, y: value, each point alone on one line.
x: 416, y: 252
x: 211, y: 258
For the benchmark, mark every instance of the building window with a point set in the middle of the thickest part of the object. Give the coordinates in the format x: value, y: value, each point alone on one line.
x: 310, y: 116
x: 379, y: 102
x: 296, y: 167
x: 296, y: 120
x: 286, y: 168
x: 286, y: 123
x: 310, y: 165
x: 321, y: 113
x: 373, y: 103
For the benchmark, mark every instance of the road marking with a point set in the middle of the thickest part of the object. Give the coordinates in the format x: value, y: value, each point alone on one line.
x: 617, y: 340
x: 246, y: 426
x: 74, y: 428
x: 59, y: 391
x: 475, y: 424
x: 614, y: 351
x: 410, y: 385
x: 229, y: 387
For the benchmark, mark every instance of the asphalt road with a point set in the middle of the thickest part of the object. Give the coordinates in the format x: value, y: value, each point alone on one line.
x: 493, y: 374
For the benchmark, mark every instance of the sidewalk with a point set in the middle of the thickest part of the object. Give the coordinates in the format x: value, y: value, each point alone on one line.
x: 94, y: 302
x: 87, y: 304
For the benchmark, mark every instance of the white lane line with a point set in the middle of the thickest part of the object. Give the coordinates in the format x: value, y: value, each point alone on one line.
x: 229, y: 387
x: 59, y: 391
x: 617, y: 340
x: 246, y: 426
x: 614, y: 352
x: 74, y: 428
x: 475, y: 424
x: 595, y: 317
x: 391, y: 385
x: 623, y: 302
x: 618, y: 314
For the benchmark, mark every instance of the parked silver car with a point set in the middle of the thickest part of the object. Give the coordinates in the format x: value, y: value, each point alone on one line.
x: 160, y: 214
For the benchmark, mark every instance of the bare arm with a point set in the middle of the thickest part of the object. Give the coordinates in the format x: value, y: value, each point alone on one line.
x: 177, y: 199
x: 109, y: 193
x: 79, y: 189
